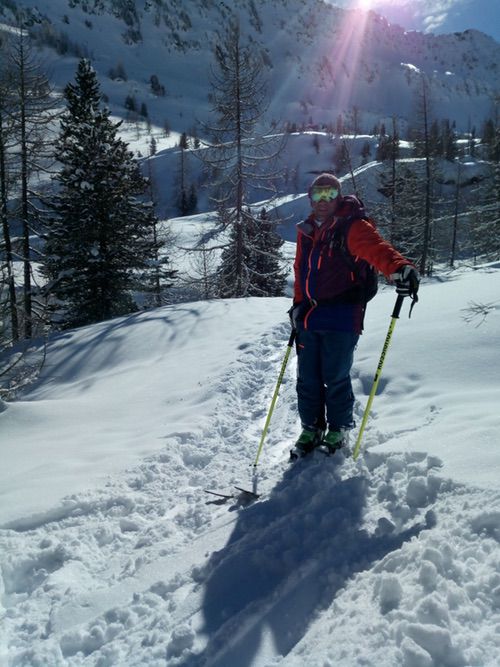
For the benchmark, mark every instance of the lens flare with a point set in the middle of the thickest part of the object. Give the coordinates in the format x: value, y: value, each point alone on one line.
x: 342, y: 50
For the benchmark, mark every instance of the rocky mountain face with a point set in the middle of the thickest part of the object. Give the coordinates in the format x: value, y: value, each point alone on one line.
x: 321, y: 61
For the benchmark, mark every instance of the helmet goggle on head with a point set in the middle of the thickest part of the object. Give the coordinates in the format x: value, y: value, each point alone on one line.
x: 325, y: 192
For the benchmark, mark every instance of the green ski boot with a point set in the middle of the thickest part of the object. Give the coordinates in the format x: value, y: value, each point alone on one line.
x: 333, y: 440
x: 308, y: 440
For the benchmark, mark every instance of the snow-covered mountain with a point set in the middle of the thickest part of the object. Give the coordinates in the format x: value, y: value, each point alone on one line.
x: 321, y: 60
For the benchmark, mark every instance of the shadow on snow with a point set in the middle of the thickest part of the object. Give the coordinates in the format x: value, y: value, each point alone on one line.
x: 286, y: 560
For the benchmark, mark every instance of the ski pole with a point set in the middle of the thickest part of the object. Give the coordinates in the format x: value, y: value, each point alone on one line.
x: 395, y: 315
x: 275, y: 396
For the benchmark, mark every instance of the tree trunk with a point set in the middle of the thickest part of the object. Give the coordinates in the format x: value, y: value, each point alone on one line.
x: 7, y: 240
x: 425, y: 262
x: 239, y: 175
x: 455, y: 220
x: 28, y: 324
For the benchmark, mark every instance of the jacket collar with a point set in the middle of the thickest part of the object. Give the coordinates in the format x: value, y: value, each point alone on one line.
x: 311, y: 229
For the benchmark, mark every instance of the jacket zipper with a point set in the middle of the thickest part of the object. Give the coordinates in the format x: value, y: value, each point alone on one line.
x: 309, y: 270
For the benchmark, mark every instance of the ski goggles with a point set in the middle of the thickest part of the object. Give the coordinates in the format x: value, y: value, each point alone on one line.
x: 323, y: 192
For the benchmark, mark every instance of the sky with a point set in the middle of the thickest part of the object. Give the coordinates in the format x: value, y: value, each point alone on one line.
x: 437, y: 16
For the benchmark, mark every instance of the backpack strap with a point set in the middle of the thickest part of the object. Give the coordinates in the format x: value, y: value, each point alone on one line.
x: 361, y: 273
x: 354, y: 210
x: 338, y: 240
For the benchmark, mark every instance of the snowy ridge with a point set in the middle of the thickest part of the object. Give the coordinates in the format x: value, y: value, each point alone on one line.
x: 384, y: 562
x: 321, y: 60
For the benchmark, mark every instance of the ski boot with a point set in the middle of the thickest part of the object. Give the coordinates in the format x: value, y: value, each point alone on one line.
x: 308, y: 440
x: 333, y: 441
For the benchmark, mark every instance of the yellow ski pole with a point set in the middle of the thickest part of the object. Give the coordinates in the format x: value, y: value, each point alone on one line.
x: 275, y: 396
x: 395, y: 315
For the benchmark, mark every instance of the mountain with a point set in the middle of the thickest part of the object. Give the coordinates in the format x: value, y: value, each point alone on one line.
x: 320, y: 60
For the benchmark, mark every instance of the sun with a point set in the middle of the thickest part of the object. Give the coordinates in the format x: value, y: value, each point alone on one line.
x: 365, y: 4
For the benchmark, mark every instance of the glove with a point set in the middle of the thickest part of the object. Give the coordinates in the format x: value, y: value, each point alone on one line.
x: 295, y: 314
x: 407, y: 280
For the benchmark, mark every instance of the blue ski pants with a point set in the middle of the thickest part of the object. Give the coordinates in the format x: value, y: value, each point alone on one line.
x: 324, y: 390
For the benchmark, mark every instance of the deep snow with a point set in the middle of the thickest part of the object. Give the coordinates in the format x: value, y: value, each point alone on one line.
x: 112, y: 554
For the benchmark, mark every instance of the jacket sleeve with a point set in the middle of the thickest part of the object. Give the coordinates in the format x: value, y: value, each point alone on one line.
x: 365, y: 242
x: 298, y: 296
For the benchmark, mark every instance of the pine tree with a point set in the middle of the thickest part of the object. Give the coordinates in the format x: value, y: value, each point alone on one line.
x: 339, y: 126
x: 32, y: 111
x: 267, y: 271
x: 356, y: 120
x: 260, y: 246
x: 486, y: 212
x: 449, y: 141
x: 388, y: 147
x: 185, y: 198
x: 402, y: 216
x: 158, y: 276
x: 341, y: 158
x: 388, y: 151
x: 435, y: 141
x: 366, y: 151
x: 8, y: 296
x: 456, y: 210
x: 425, y: 147
x: 100, y: 237
x: 239, y: 157
x: 488, y: 134
x: 193, y: 198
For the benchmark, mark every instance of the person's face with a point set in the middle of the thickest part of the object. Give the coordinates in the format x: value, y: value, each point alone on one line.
x: 324, y: 201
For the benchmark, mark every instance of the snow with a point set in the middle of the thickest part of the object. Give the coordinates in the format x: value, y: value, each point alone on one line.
x: 111, y: 360
x: 410, y: 67
x: 303, y: 48
x: 112, y: 554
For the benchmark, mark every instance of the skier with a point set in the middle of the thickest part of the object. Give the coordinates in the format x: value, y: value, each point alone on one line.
x: 336, y: 245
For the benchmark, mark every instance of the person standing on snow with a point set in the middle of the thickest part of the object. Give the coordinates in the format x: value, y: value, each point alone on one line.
x: 335, y: 245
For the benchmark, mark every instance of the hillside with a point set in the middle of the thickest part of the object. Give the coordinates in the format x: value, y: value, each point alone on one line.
x: 320, y: 61
x: 112, y: 554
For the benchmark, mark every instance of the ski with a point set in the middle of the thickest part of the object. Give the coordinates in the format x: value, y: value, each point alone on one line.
x: 227, y: 496
x: 249, y: 494
x: 244, y: 495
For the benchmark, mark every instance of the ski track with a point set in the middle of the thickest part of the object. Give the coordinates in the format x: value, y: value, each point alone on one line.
x: 152, y: 571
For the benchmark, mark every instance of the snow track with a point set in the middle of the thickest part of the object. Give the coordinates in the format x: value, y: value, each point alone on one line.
x: 381, y: 562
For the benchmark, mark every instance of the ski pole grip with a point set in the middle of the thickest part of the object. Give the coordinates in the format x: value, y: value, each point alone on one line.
x: 397, y: 306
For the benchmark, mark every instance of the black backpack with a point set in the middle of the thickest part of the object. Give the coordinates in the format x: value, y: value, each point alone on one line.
x: 366, y: 275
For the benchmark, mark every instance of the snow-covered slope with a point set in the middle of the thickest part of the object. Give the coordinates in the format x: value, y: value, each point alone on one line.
x: 112, y: 554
